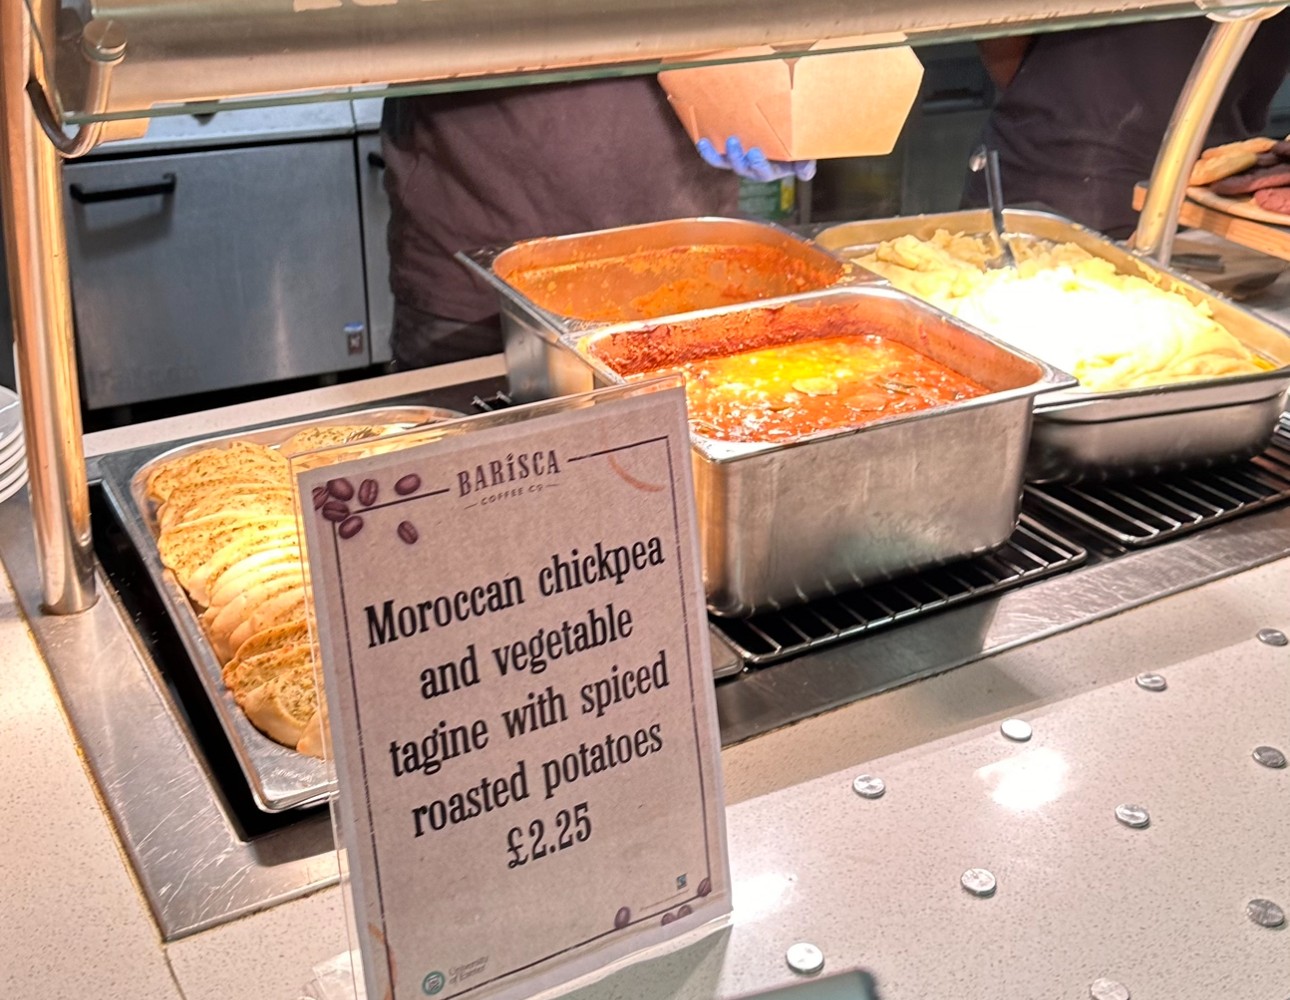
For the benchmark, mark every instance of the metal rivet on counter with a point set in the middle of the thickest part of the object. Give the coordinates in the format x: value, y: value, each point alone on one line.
x: 805, y: 958
x: 869, y: 787
x: 1269, y: 756
x: 1273, y: 637
x: 1108, y: 989
x: 979, y: 882
x: 1151, y: 682
x: 1134, y: 816
x: 1265, y: 913
x: 1016, y: 729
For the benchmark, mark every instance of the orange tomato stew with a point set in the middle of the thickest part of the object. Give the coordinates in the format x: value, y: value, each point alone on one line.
x: 651, y: 284
x: 786, y: 392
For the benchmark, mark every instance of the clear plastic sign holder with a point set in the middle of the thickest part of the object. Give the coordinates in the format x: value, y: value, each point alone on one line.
x: 508, y: 621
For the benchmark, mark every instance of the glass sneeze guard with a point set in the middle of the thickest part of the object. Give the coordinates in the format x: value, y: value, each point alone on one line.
x: 189, y: 57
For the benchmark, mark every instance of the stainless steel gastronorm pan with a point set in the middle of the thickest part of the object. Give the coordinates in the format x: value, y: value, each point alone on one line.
x: 785, y: 523
x: 279, y: 777
x: 1086, y: 435
x: 596, y: 269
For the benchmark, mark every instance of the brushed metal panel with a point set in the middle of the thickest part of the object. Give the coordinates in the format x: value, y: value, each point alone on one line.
x: 192, y: 865
x: 247, y: 271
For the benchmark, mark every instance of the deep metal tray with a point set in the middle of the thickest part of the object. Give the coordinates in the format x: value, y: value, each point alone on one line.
x: 1086, y: 435
x: 1143, y: 512
x: 785, y: 523
x: 535, y: 338
x: 279, y: 777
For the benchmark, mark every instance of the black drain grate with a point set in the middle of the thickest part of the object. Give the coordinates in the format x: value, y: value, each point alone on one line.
x: 1130, y: 514
x: 1137, y: 513
x: 1034, y: 550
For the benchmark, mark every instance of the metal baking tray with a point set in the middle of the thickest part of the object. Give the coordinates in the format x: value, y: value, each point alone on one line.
x: 279, y: 777
x: 1085, y: 435
x: 596, y: 267
x: 784, y: 523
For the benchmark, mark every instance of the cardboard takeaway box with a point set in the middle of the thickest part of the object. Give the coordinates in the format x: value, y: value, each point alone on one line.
x: 813, y: 107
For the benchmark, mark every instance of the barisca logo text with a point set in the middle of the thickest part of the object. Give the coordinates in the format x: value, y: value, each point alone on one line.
x: 513, y: 468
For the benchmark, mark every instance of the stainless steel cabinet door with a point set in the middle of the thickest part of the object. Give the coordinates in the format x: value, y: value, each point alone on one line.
x: 200, y: 271
x: 376, y: 217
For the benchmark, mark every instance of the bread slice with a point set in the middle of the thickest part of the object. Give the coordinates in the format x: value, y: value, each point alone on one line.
x: 208, y: 463
x: 241, y: 498
x: 184, y: 549
x: 330, y: 435
x: 220, y: 623
x: 278, y: 610
x: 313, y: 740
x: 282, y: 706
x: 229, y: 482
x: 270, y: 639
x: 235, y: 550
x: 259, y: 565
x: 244, y: 675
x: 222, y: 618
x: 233, y: 584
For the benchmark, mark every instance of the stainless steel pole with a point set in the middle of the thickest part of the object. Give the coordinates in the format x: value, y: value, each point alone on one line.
x: 1213, y: 69
x: 39, y: 290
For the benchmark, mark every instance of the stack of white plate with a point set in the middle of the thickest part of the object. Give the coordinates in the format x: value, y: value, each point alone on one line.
x: 13, y: 452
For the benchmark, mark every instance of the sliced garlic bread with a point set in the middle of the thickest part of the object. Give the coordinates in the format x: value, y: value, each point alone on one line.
x: 209, y: 463
x: 282, y: 706
x: 186, y: 548
x: 284, y: 607
x: 234, y: 551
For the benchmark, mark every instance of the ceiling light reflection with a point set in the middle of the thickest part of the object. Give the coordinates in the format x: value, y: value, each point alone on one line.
x: 1026, y: 780
x: 759, y: 896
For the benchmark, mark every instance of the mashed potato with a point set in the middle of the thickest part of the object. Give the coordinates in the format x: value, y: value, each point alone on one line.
x: 1074, y: 310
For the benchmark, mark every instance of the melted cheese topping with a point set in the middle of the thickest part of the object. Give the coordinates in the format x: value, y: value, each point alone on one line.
x: 786, y: 392
x: 1074, y: 310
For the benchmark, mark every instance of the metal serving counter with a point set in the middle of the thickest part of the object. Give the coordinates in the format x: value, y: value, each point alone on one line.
x: 203, y: 856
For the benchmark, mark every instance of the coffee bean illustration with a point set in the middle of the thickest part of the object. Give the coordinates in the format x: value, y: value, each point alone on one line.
x: 668, y: 918
x: 320, y: 496
x: 368, y: 490
x: 705, y: 887
x: 622, y: 918
x: 335, y: 510
x: 408, y: 532
x: 408, y: 484
x: 341, y: 489
x: 350, y: 527
x: 684, y: 911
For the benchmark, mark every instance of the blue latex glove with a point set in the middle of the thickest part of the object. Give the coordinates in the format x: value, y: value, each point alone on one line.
x: 752, y: 163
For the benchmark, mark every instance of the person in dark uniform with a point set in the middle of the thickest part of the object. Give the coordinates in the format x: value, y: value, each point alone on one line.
x: 1082, y: 114
x: 487, y: 168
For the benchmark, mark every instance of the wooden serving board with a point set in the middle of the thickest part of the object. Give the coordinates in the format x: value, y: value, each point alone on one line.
x: 1261, y: 236
x: 1244, y: 207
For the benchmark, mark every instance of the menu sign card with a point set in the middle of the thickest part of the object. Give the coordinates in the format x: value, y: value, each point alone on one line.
x: 516, y: 666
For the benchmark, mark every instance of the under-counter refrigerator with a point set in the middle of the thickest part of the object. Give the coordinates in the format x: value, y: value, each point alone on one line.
x: 218, y: 252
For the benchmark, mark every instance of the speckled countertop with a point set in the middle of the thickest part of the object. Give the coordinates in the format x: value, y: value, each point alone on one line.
x: 873, y: 883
